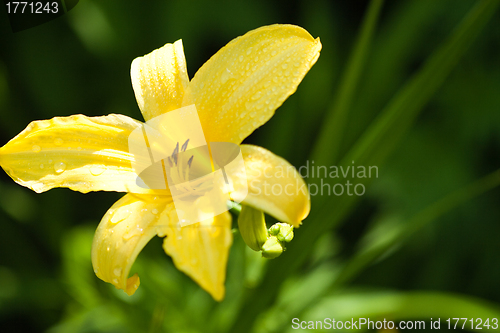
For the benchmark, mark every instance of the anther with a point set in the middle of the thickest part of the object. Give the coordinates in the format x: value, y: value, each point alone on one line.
x: 184, y: 146
x: 174, y: 154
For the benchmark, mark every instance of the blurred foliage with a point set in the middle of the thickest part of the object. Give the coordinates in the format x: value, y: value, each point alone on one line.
x: 421, y: 243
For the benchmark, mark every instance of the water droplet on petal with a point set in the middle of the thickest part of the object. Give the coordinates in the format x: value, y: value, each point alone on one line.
x: 97, y: 170
x: 41, y: 166
x: 226, y: 75
x: 36, y: 148
x: 130, y: 234
x: 115, y: 281
x: 154, y: 211
x: 273, y: 53
x: 249, y: 51
x: 117, y: 271
x: 59, y: 167
x: 257, y: 95
x: 119, y: 215
x: 241, y: 58
x: 58, y: 141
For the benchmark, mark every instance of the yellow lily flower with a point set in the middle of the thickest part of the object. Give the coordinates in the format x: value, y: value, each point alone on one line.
x: 235, y: 92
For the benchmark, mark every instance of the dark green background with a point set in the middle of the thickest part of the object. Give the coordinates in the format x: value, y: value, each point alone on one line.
x: 80, y: 63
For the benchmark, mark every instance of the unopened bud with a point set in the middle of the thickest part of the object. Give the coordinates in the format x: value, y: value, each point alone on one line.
x: 252, y: 227
x: 272, y: 248
x: 283, y: 231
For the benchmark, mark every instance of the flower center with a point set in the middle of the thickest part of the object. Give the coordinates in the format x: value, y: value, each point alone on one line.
x: 179, y: 168
x: 190, y: 180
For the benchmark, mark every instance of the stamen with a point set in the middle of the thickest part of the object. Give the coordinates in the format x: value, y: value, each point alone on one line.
x: 174, y: 154
x: 186, y: 174
x: 184, y: 146
x: 190, y: 160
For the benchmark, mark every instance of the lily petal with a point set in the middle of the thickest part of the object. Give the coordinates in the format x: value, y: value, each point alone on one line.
x: 274, y: 186
x: 159, y: 80
x: 201, y: 251
x: 81, y: 153
x: 123, y: 232
x: 241, y: 86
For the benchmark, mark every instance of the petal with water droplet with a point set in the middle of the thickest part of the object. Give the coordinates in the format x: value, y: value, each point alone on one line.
x: 225, y: 83
x: 117, y: 244
x: 81, y: 147
x: 159, y: 80
x: 201, y: 250
x: 274, y: 186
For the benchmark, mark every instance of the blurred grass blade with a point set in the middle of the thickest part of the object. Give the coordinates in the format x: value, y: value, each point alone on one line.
x: 332, y: 131
x: 396, y: 119
x: 78, y: 275
x: 307, y: 288
x: 386, y: 131
x: 384, y: 240
x: 398, y: 306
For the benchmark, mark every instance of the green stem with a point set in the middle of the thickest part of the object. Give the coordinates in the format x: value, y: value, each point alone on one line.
x: 234, y: 207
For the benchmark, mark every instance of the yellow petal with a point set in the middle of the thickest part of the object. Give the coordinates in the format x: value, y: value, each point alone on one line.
x: 81, y: 153
x: 159, y: 80
x: 274, y: 186
x: 241, y: 86
x: 123, y: 232
x: 201, y: 250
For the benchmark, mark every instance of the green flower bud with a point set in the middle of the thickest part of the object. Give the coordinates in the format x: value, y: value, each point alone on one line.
x: 252, y: 227
x: 275, y: 229
x: 286, y: 232
x: 272, y: 248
